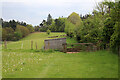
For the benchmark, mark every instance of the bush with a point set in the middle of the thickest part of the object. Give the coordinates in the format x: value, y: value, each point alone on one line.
x: 48, y: 31
x: 4, y: 34
x: 22, y: 30
x: 69, y: 28
x: 8, y: 33
x: 17, y: 35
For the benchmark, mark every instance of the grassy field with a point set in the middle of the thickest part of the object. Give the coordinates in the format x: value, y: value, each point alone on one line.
x: 26, y: 63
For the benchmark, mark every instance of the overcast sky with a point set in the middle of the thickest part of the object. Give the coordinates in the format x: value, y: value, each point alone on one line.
x: 34, y: 11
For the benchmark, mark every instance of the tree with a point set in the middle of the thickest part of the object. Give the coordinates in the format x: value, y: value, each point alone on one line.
x: 37, y: 28
x: 109, y: 5
x: 49, y: 19
x: 30, y: 28
x: 59, y: 24
x: 93, y: 29
x: 12, y: 30
x: 74, y: 25
x: 100, y: 7
x: 43, y: 23
x: 115, y: 38
x: 53, y: 27
x: 108, y: 30
x: 74, y: 18
x: 12, y: 24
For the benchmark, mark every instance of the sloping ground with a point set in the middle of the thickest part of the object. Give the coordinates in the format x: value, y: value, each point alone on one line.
x: 27, y: 63
x: 25, y: 43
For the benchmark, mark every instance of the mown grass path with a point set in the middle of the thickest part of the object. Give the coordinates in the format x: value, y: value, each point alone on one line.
x: 26, y: 63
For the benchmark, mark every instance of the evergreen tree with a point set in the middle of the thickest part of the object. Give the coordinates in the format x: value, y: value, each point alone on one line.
x: 49, y: 19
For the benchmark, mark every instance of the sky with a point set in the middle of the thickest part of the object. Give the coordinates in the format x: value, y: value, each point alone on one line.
x: 34, y: 11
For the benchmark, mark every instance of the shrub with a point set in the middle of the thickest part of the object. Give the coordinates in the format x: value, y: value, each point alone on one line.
x: 48, y: 31
x: 17, y: 35
x: 8, y: 32
x: 4, y: 34
x: 22, y: 30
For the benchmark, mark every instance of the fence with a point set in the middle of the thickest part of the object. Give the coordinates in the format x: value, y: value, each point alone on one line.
x: 77, y: 47
x: 32, y: 44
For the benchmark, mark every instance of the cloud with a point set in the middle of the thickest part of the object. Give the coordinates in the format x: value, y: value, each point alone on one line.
x: 34, y: 11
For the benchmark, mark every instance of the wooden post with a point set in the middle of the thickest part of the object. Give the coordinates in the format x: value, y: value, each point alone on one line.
x: 22, y: 45
x: 36, y: 45
x: 31, y: 44
x: 5, y: 44
x: 65, y: 47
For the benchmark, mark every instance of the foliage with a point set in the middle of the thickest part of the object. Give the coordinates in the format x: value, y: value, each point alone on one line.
x: 17, y: 35
x: 74, y: 18
x: 73, y: 25
x: 101, y: 8
x: 11, y: 32
x: 48, y: 31
x: 49, y: 19
x: 56, y: 25
x: 93, y: 28
x: 108, y: 30
x: 30, y: 28
x: 115, y: 38
x: 52, y: 27
x: 4, y: 34
x: 23, y: 30
x: 60, y: 24
x: 69, y: 29
x: 43, y: 26
x: 109, y: 5
x: 12, y: 23
x: 37, y: 28
x: 8, y: 33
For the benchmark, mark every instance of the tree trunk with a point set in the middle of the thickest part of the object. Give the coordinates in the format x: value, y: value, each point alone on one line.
x: 109, y: 9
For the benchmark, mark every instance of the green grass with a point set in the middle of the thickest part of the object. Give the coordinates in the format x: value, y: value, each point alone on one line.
x: 35, y: 37
x: 27, y: 63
